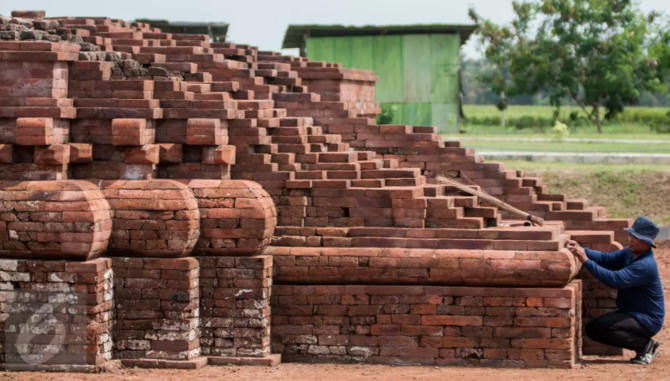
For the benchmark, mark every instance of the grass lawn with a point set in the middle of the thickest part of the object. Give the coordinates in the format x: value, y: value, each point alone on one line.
x: 627, y: 191
x: 548, y: 111
x: 633, y: 124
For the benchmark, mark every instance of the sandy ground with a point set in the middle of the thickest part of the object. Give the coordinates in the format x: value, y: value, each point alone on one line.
x: 592, y: 368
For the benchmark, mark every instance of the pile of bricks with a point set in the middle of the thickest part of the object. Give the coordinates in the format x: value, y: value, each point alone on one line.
x: 253, y: 208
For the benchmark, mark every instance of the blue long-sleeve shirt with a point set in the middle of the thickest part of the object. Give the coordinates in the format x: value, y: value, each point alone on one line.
x: 640, y: 291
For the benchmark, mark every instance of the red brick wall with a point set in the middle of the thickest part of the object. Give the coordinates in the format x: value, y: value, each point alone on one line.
x: 56, y: 315
x: 426, y: 325
x: 235, y: 306
x: 157, y: 303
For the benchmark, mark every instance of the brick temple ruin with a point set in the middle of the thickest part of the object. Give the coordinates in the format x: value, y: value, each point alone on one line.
x: 209, y: 203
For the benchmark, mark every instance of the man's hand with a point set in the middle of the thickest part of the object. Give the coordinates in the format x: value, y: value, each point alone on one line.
x: 577, y: 250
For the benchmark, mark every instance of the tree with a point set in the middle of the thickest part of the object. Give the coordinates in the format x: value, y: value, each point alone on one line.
x: 598, y: 53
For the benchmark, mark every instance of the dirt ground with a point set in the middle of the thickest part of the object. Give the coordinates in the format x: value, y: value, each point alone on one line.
x: 592, y: 368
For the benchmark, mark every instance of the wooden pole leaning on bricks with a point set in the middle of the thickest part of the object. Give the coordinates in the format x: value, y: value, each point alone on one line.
x: 490, y: 199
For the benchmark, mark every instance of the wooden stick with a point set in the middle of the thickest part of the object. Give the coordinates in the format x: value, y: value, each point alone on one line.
x: 488, y: 198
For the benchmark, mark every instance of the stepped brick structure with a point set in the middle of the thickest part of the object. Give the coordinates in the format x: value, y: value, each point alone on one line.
x: 167, y: 201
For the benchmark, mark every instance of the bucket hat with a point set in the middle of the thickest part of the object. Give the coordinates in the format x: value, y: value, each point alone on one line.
x: 645, y: 230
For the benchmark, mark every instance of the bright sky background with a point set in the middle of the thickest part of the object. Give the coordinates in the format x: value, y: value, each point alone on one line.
x: 263, y: 23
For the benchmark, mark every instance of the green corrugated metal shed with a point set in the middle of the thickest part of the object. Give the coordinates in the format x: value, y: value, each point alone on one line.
x: 417, y: 65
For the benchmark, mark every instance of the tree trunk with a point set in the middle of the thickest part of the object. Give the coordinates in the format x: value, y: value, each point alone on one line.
x: 596, y: 112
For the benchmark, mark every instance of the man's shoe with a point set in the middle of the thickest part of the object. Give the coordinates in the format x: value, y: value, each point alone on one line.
x: 654, y: 351
x: 643, y: 359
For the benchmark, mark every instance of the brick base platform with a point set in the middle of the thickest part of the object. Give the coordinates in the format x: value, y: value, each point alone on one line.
x: 426, y: 325
x: 178, y: 313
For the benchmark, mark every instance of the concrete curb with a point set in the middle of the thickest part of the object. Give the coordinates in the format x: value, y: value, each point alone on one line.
x: 580, y: 158
x: 571, y: 140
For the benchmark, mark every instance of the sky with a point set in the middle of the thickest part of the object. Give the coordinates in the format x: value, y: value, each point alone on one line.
x: 262, y: 23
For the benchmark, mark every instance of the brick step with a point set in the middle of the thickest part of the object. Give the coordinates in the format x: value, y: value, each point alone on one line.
x: 197, y: 87
x: 543, y: 206
x: 493, y: 222
x: 434, y: 190
x: 452, y: 143
x: 182, y: 67
x: 210, y: 96
x: 444, y: 212
x: 331, y: 166
x: 324, y: 139
x: 520, y: 198
x: 285, y: 81
x: 571, y: 215
x: 306, y: 174
x: 254, y: 104
x: 588, y: 238
x: 390, y: 173
x: 366, y: 155
x: 297, y: 148
x: 293, y: 167
x: 552, y: 197
x: 391, y: 163
x: 294, y: 139
x: 532, y: 182
x: 507, y: 174
x: 577, y: 204
x: 296, y: 122
x: 338, y: 157
x: 532, y: 233
x: 273, y: 65
x: 337, y: 147
x: 465, y: 201
x: 282, y: 158
x: 557, y: 205
x: 427, y: 130
x: 421, y: 243
x: 245, y: 95
x: 406, y: 182
x: 369, y: 183
x: 457, y: 223
x: 285, y: 131
x: 372, y: 164
x: 489, y: 212
x: 343, y: 175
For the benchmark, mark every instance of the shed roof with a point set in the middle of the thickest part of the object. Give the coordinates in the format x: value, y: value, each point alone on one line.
x: 214, y: 29
x: 296, y: 34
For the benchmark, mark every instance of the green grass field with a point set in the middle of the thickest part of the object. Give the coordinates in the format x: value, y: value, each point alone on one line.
x: 548, y: 111
x: 627, y: 191
x: 536, y: 121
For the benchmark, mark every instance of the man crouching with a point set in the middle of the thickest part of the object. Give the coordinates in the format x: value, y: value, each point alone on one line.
x: 640, y: 307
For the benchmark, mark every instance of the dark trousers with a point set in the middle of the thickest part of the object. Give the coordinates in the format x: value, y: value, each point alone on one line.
x: 621, y: 330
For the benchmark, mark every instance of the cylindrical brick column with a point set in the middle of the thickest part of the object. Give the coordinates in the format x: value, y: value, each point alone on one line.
x: 53, y: 220
x: 153, y: 218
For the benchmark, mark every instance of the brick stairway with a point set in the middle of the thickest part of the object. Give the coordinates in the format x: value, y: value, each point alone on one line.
x: 170, y: 135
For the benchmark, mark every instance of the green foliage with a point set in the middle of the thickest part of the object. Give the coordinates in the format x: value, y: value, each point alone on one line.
x: 387, y: 115
x: 542, y: 118
x: 560, y: 131
x: 598, y: 53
